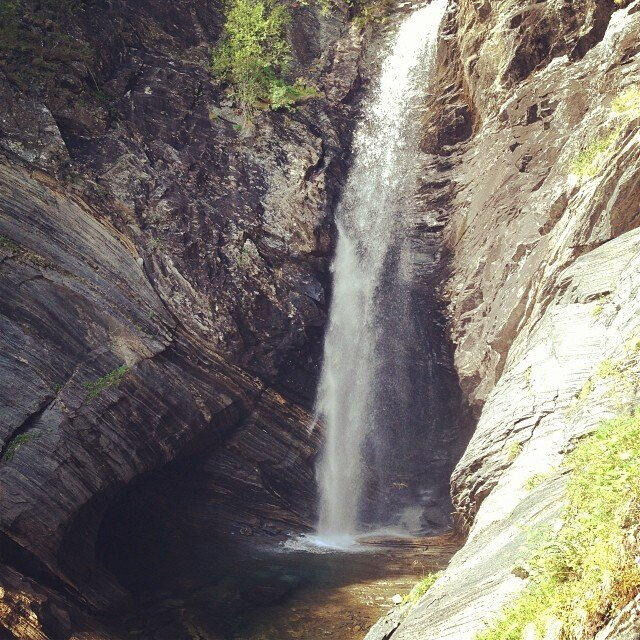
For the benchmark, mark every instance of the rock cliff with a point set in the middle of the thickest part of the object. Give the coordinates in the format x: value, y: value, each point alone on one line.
x: 534, y: 130
x: 164, y: 277
x: 164, y: 285
x: 164, y: 281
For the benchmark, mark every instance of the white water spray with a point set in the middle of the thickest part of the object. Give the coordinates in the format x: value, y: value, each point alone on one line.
x: 371, y: 237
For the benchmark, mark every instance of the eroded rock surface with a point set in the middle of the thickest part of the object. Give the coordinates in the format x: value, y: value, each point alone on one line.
x: 545, y: 274
x: 164, y: 286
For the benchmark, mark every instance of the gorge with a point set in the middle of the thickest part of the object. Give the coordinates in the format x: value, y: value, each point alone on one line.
x: 165, y: 278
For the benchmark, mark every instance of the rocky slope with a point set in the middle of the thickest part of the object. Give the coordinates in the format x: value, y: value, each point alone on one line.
x: 544, y: 249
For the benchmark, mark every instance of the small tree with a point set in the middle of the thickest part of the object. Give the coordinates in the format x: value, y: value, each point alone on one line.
x: 254, y: 51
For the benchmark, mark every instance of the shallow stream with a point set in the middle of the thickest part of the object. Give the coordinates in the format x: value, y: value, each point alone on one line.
x: 282, y: 594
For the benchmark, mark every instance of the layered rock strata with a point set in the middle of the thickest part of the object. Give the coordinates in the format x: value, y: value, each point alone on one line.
x: 164, y: 283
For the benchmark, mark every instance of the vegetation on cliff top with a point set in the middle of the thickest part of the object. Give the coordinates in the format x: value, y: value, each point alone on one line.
x: 583, y: 574
x: 255, y: 55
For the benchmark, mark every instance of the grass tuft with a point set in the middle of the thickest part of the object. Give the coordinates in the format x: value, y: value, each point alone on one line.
x: 112, y: 379
x: 514, y: 450
x: 536, y: 480
x: 421, y: 588
x: 590, y: 160
x: 587, y: 571
x: 16, y: 443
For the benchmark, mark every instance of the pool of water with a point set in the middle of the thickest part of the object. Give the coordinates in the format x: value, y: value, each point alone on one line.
x: 297, y: 591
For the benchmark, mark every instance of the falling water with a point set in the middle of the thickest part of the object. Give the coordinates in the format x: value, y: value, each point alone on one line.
x: 361, y: 377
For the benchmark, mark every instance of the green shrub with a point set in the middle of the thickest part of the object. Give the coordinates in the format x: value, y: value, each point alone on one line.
x: 255, y: 55
x: 421, y: 588
x: 587, y: 571
x: 16, y: 443
x: 254, y: 50
x: 284, y: 96
x: 370, y: 11
x: 112, y: 379
x: 591, y: 159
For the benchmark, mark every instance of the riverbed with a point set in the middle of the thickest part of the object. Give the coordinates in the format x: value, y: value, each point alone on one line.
x: 276, y: 593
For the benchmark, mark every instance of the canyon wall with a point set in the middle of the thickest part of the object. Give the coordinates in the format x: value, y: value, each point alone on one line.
x: 534, y: 134
x: 164, y: 278
x: 164, y: 285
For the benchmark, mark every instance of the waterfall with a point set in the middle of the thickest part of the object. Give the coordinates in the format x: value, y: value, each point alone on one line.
x: 361, y: 391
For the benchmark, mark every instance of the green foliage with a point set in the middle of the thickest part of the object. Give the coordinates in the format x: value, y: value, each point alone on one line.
x: 535, y: 480
x: 254, y: 51
x: 8, y: 243
x: 624, y: 107
x: 112, y: 379
x: 586, y: 571
x: 587, y: 390
x: 284, y: 96
x: 9, y: 21
x: 421, y: 588
x: 16, y: 443
x: 514, y: 450
x: 590, y: 160
x: 609, y: 369
x: 255, y: 55
x: 633, y: 346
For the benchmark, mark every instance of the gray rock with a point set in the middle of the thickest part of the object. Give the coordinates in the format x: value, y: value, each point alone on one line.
x: 545, y: 276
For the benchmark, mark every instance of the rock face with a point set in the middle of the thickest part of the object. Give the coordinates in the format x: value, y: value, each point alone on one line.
x: 544, y: 273
x: 164, y: 277
x: 164, y: 285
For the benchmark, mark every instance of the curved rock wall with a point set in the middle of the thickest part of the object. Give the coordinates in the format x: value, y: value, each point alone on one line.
x: 164, y: 283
